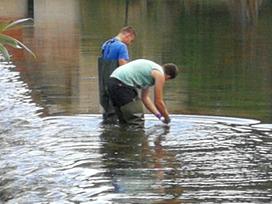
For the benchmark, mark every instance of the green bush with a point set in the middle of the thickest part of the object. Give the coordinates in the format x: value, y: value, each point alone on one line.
x: 7, y: 40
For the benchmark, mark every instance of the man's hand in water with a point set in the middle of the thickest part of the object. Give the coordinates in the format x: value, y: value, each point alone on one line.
x: 161, y: 118
x: 165, y: 120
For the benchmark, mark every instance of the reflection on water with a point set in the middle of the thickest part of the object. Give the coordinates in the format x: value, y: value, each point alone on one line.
x: 78, y: 159
x: 224, y: 47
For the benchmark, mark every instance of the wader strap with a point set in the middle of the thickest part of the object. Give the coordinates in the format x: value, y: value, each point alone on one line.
x: 105, y: 68
x: 110, y: 41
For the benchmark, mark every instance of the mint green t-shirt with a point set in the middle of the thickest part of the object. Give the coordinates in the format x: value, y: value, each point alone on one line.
x: 137, y: 73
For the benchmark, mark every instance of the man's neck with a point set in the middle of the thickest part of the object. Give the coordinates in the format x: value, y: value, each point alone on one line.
x: 118, y: 37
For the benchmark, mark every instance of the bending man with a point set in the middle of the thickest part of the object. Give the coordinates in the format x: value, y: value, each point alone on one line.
x: 140, y: 74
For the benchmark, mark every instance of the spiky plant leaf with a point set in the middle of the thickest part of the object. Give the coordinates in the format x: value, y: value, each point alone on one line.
x: 2, y: 26
x: 16, y: 23
x: 6, y: 40
x: 4, y: 52
x: 26, y: 48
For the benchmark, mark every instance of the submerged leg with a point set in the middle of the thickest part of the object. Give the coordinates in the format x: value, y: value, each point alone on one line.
x: 132, y: 113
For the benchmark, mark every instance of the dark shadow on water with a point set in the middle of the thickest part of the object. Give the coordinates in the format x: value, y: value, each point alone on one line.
x: 137, y: 163
x: 195, y: 159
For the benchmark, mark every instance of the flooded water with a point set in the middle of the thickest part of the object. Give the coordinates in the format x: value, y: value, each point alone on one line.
x: 223, y: 48
x: 54, y: 147
x: 77, y: 159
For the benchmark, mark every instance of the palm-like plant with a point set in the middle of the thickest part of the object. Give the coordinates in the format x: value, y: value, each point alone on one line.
x: 7, y: 40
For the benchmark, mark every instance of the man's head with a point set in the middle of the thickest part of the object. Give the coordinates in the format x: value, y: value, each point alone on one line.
x: 127, y: 34
x: 170, y: 70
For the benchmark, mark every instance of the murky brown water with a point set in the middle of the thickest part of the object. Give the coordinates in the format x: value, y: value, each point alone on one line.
x: 55, y: 148
x: 224, y: 47
x: 77, y: 159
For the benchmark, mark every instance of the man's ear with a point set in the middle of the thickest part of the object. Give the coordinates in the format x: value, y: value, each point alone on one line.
x: 167, y: 77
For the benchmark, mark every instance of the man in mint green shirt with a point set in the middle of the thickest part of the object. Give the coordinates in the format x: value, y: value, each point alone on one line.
x: 140, y: 74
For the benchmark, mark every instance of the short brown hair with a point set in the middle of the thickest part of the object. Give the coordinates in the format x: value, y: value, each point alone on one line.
x: 171, y: 70
x: 128, y: 29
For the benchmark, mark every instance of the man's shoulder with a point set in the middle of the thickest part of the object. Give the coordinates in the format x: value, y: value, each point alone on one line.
x: 149, y: 62
x: 120, y: 43
x: 143, y: 61
x: 117, y: 45
x: 113, y: 42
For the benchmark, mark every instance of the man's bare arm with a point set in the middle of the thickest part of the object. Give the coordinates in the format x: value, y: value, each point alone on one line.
x: 122, y: 62
x: 158, y: 91
x: 148, y: 102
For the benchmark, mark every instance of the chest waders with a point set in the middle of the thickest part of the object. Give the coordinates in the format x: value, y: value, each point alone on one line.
x: 105, y: 68
x: 128, y: 106
x: 132, y: 113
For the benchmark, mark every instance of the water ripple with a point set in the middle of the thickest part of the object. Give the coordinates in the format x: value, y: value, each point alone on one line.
x: 77, y: 159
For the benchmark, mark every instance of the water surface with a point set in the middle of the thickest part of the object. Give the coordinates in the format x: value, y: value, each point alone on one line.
x: 222, y: 47
x: 78, y: 159
x: 55, y: 148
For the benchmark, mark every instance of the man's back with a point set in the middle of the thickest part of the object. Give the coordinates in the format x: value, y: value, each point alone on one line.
x: 137, y: 73
x: 114, y: 49
x: 114, y: 52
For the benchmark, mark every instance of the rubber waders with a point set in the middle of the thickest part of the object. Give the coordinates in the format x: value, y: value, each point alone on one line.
x: 132, y: 112
x: 105, y: 68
